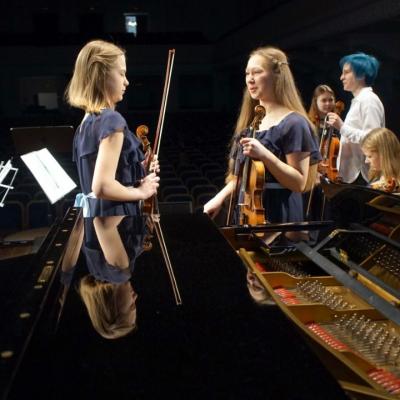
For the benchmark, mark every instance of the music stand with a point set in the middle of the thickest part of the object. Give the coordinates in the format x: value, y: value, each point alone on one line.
x: 58, y: 139
x: 4, y: 172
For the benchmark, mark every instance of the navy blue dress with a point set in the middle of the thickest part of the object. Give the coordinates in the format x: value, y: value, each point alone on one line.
x: 87, y: 140
x: 132, y: 231
x: 291, y: 135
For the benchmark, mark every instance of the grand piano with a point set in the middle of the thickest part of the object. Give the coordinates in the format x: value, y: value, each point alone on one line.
x: 341, y: 290
x: 198, y: 327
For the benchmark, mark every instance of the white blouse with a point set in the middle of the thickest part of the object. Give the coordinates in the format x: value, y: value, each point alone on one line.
x: 366, y: 113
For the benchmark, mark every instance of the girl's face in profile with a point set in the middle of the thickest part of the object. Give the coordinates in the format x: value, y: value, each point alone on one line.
x: 372, y: 158
x: 259, y: 79
x: 116, y: 82
x: 325, y: 103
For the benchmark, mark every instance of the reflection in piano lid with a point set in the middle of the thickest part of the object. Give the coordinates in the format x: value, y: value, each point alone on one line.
x: 219, y: 334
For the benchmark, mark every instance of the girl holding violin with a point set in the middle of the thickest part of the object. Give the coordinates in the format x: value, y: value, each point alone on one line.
x: 108, y: 156
x: 284, y: 141
x: 381, y: 148
x: 366, y: 112
x: 322, y: 102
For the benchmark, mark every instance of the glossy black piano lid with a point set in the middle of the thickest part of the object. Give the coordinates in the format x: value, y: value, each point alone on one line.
x: 218, y: 344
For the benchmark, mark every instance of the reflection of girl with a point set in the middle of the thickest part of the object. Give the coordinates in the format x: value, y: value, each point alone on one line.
x: 284, y: 142
x: 111, y: 307
x: 257, y: 291
x: 382, y: 152
x: 111, y: 247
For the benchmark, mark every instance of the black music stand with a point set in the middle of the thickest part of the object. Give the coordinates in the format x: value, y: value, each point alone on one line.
x: 57, y: 139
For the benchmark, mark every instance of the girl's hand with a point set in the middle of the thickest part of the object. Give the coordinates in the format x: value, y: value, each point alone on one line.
x: 334, y: 120
x: 253, y: 148
x: 155, y: 165
x: 213, y: 207
x: 148, y: 186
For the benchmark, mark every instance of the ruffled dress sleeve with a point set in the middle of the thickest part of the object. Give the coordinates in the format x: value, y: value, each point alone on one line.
x: 297, y: 136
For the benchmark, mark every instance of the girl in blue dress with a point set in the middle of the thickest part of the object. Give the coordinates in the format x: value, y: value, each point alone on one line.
x: 285, y: 141
x: 108, y: 155
x: 111, y: 246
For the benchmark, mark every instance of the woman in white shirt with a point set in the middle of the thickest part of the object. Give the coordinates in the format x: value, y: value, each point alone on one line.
x: 366, y: 112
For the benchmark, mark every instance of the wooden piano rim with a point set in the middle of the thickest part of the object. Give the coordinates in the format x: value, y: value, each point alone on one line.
x: 366, y: 391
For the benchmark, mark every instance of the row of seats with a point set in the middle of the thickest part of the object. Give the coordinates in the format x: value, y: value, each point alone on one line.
x: 15, y: 215
x: 190, y: 182
x: 190, y: 176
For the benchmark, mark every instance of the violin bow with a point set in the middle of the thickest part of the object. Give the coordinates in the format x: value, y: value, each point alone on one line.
x: 155, y: 151
x: 164, y: 250
x: 167, y: 82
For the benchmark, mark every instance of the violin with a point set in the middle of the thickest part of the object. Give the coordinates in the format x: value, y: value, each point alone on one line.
x: 329, y: 149
x: 386, y: 185
x: 141, y: 132
x: 249, y: 183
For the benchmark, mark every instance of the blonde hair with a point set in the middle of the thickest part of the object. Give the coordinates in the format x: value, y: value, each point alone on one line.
x: 285, y: 89
x: 313, y: 112
x: 285, y: 92
x: 100, y: 299
x: 384, y: 142
x: 87, y: 87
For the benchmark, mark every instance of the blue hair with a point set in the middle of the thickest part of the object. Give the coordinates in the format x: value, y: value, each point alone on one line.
x: 363, y: 66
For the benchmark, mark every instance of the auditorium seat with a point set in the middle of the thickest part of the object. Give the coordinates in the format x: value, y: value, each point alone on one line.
x: 30, y: 188
x: 23, y: 197
x: 167, y: 174
x: 214, y: 173
x: 40, y: 195
x: 12, y: 216
x: 219, y: 182
x: 175, y: 207
x: 181, y: 168
x: 192, y: 182
x: 170, y: 182
x: 187, y: 175
x: 209, y: 166
x: 39, y: 214
x: 202, y: 199
x: 203, y: 188
x: 176, y: 189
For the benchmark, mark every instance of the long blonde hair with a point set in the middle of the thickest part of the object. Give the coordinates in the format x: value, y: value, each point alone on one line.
x: 100, y: 299
x: 285, y: 89
x: 286, y: 94
x: 384, y: 142
x: 87, y: 88
x: 313, y: 112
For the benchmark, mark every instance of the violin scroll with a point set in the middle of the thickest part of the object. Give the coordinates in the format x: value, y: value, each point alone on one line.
x: 259, y: 112
x: 339, y: 107
x: 141, y: 132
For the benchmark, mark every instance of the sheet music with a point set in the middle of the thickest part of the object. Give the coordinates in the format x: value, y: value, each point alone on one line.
x: 49, y: 174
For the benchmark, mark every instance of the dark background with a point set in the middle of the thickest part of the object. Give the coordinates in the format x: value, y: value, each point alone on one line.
x: 39, y: 41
